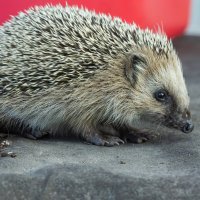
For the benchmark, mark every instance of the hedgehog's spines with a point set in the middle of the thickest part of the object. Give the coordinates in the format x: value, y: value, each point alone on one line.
x: 56, y: 35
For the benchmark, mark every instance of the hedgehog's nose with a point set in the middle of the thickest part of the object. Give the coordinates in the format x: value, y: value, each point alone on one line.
x: 188, y: 127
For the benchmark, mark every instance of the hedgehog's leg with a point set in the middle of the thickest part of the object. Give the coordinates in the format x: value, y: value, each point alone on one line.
x: 104, y: 136
x: 34, y: 134
x: 17, y: 127
x: 137, y: 136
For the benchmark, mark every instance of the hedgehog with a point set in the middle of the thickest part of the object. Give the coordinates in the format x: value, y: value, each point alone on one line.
x: 71, y: 71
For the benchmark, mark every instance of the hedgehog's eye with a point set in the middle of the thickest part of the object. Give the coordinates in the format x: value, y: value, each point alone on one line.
x: 161, y: 95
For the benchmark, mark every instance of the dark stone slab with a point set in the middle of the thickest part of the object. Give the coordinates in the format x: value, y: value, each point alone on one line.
x: 165, y: 168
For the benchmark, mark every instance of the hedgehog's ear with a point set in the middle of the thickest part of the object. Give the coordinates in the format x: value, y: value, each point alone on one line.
x: 135, y: 63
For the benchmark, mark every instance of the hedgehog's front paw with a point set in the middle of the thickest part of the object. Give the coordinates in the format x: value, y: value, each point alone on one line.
x: 104, y: 140
x: 34, y: 135
x: 139, y: 136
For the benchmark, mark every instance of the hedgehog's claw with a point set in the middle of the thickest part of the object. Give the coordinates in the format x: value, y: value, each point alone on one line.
x: 139, y: 136
x: 104, y: 140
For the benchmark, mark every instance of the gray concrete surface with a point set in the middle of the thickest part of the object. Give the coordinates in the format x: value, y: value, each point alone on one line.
x: 166, y: 168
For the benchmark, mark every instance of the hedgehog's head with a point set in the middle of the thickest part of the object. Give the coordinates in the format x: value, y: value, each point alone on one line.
x: 160, y: 92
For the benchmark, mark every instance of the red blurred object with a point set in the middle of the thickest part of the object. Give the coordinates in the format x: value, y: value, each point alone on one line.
x: 171, y: 15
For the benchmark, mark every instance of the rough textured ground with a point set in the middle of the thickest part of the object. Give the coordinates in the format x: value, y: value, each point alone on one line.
x: 166, y: 168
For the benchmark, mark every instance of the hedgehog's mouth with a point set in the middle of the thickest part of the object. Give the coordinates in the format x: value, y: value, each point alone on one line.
x: 181, y: 121
x: 185, y: 125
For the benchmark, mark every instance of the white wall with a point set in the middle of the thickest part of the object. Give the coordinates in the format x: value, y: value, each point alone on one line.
x: 194, y: 22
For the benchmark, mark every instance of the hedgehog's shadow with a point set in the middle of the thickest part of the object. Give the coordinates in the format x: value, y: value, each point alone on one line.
x: 164, y: 137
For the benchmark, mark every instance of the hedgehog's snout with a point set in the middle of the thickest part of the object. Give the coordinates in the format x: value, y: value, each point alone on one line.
x: 188, y: 127
x: 181, y: 121
x: 186, y: 122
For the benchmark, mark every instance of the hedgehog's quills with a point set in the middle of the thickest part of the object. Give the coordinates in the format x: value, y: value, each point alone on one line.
x: 68, y: 70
